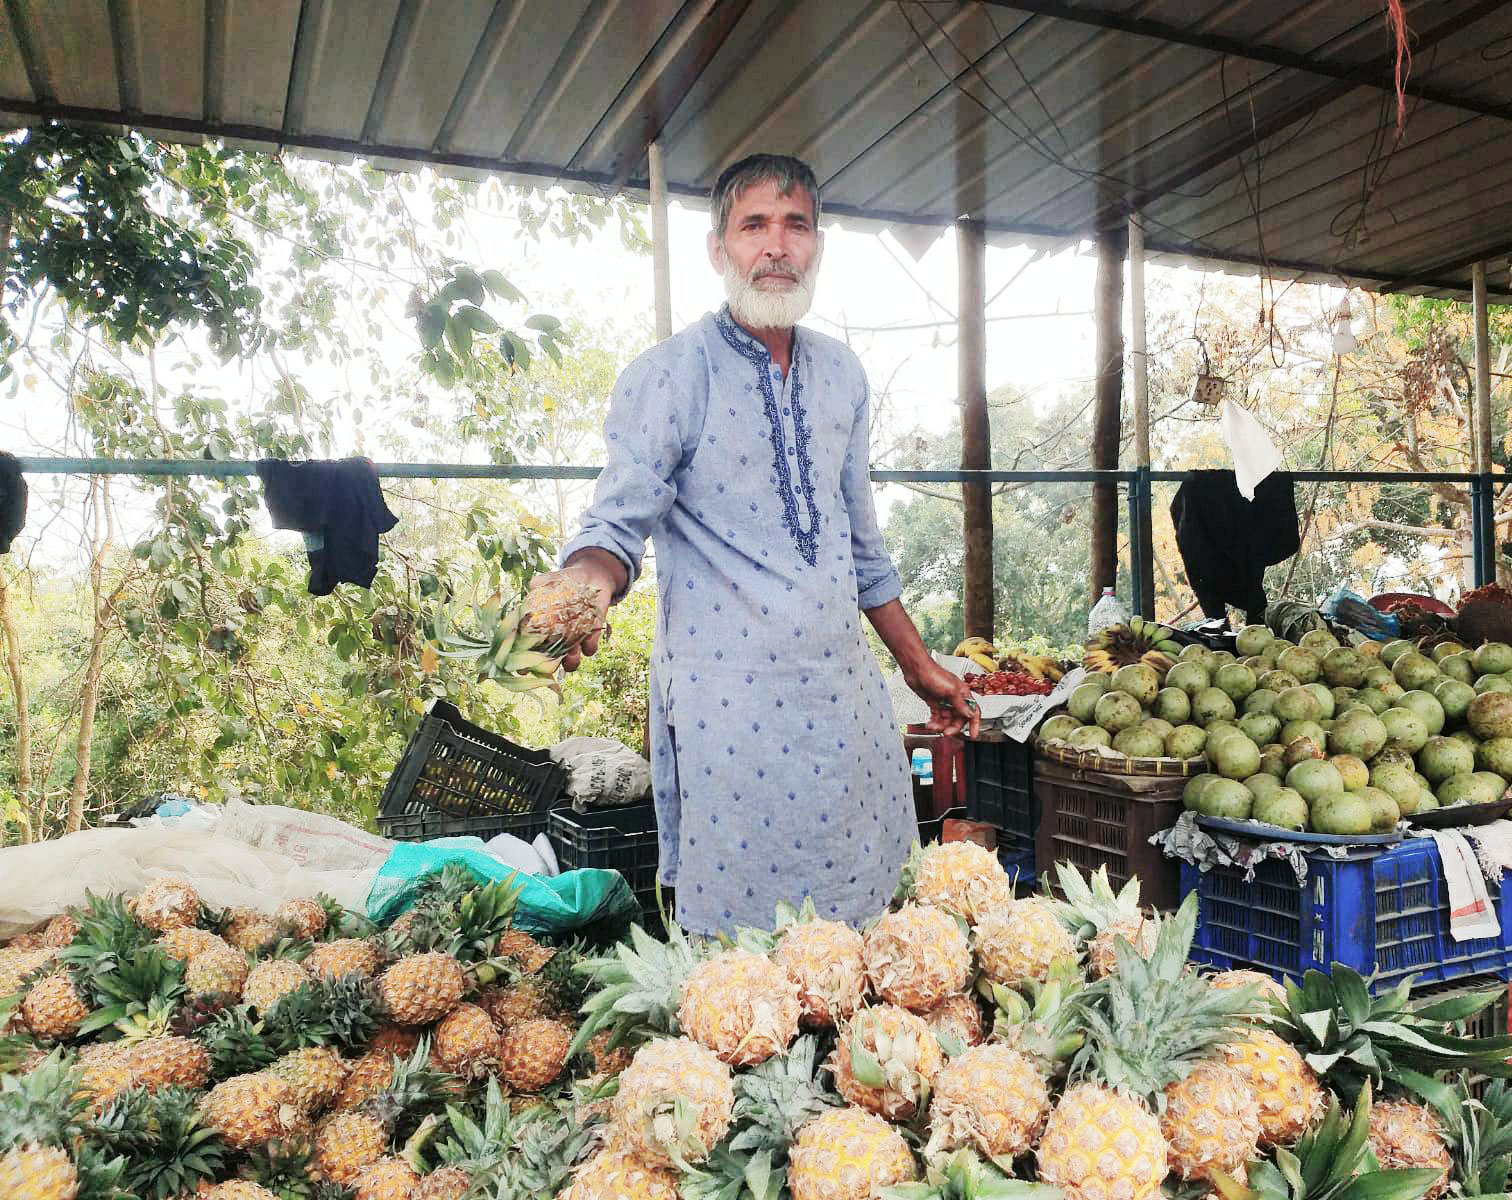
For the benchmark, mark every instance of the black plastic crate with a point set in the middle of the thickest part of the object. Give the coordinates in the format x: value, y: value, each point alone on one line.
x: 613, y: 839
x: 456, y: 778
x: 1000, y: 789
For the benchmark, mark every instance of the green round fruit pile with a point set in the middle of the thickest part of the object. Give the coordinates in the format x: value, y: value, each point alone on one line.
x: 1316, y: 736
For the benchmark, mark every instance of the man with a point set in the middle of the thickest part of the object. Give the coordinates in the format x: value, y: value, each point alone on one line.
x: 739, y: 446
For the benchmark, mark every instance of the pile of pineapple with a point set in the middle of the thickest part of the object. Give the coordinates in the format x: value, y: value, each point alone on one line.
x: 966, y: 1044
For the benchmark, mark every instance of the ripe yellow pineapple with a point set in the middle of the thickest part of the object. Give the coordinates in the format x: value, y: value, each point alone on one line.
x: 533, y: 1054
x: 444, y: 1183
x: 1404, y: 1134
x: 900, y: 1061
x: 31, y: 1172
x: 303, y: 918
x: 269, y: 980
x: 345, y: 1145
x: 217, y: 970
x: 1288, y: 1093
x: 524, y: 949
x: 962, y: 878
x: 560, y: 610
x: 917, y: 956
x: 343, y: 956
x: 60, y: 931
x: 1211, y: 1122
x: 466, y: 1042
x: 103, y: 1073
x: 369, y: 1075
x: 521, y: 1001
x: 1268, y: 988
x: 157, y: 1062
x: 957, y: 1017
x: 53, y: 1008
x: 183, y: 942
x: 615, y: 1173
x: 1101, y: 1145
x: 421, y: 988
x: 249, y: 930
x: 236, y: 1189
x: 664, y: 1074
x: 1017, y: 944
x: 168, y: 903
x: 741, y: 1006
x: 316, y: 1073
x: 848, y: 1154
x: 387, y: 1179
x: 16, y: 965
x: 990, y: 1097
x: 251, y: 1110
x: 825, y: 959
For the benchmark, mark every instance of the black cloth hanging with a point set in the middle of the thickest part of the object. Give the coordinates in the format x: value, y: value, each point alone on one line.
x: 12, y: 500
x: 339, y: 507
x: 1227, y: 541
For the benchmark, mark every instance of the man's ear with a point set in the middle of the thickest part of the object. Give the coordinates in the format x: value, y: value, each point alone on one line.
x: 716, y: 253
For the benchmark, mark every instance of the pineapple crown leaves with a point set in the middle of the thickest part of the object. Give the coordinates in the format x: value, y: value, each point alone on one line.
x: 1481, y: 1133
x: 775, y: 1099
x: 1046, y: 1024
x: 342, y: 922
x: 236, y: 1043
x: 99, y: 1177
x: 567, y: 985
x: 637, y: 988
x: 547, y: 1143
x: 1152, y: 1021
x: 908, y: 877
x: 1350, y: 1037
x: 479, y: 1147
x: 281, y: 1165
x: 147, y: 983
x: 43, y: 1106
x: 416, y: 1091
x: 728, y: 1174
x: 167, y: 1145
x: 107, y: 931
x: 1332, y: 1162
x: 964, y: 1176
x: 457, y: 914
x: 345, y: 1011
x: 1091, y: 907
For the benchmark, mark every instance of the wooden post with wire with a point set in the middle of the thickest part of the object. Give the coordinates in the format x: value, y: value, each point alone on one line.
x: 1482, y: 497
x: 1141, y: 525
x: 976, y: 429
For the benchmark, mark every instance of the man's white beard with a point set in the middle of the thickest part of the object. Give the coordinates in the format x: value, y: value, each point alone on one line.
x: 759, y: 308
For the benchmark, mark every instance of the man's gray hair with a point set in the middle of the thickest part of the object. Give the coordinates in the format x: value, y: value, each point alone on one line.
x: 781, y: 169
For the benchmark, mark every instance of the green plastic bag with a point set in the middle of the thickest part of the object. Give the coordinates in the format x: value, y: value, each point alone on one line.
x: 561, y: 904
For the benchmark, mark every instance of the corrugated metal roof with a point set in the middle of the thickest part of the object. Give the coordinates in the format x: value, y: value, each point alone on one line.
x: 1260, y: 133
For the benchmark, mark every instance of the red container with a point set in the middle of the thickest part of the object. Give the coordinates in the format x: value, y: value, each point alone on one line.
x: 948, y: 757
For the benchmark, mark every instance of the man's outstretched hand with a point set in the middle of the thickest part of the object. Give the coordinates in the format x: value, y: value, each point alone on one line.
x: 952, y: 707
x: 606, y: 575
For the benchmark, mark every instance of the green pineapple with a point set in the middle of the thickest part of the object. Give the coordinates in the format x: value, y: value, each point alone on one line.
x: 168, y: 1147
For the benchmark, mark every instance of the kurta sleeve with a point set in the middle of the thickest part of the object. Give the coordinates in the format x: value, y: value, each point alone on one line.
x: 653, y: 425
x: 877, y: 580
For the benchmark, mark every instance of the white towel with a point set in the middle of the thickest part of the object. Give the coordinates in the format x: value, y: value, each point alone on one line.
x: 1493, y: 846
x: 1471, y: 914
x: 1255, y: 455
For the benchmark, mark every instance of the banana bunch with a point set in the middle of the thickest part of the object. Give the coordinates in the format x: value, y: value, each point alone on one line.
x: 979, y: 650
x: 1038, y: 666
x: 1139, y: 640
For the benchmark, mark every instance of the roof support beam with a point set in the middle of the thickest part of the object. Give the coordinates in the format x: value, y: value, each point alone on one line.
x: 1288, y: 116
x: 485, y: 57
x: 660, y: 84
x: 31, y: 56
x: 395, y: 58
x: 309, y: 37
x: 1372, y: 75
x: 1485, y: 254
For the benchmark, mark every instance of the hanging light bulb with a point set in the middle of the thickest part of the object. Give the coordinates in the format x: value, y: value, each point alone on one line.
x: 1344, y: 341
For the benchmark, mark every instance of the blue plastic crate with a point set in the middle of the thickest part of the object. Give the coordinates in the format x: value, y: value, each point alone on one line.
x: 1385, y: 914
x: 1019, y: 863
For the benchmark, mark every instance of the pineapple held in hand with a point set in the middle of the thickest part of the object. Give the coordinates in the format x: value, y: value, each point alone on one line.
x: 521, y: 647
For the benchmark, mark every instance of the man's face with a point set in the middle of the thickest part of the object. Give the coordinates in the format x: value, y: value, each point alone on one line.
x: 769, y: 256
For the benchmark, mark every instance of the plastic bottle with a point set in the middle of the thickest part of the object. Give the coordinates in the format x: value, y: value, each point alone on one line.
x: 922, y: 764
x: 1107, y: 611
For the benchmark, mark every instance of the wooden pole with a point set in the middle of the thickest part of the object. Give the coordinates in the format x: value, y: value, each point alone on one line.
x: 976, y: 430
x: 661, y: 262
x: 1482, y: 369
x: 1139, y: 363
x: 1108, y: 318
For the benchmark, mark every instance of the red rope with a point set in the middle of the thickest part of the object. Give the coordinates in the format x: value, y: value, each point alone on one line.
x: 1396, y: 21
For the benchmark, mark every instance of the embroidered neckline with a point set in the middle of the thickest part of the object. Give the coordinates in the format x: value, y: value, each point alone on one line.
x: 752, y: 350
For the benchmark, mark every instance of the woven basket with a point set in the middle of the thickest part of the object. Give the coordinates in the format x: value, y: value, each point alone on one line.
x: 1108, y: 764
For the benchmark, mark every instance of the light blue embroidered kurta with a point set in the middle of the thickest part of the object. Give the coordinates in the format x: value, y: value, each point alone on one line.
x: 777, y: 766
